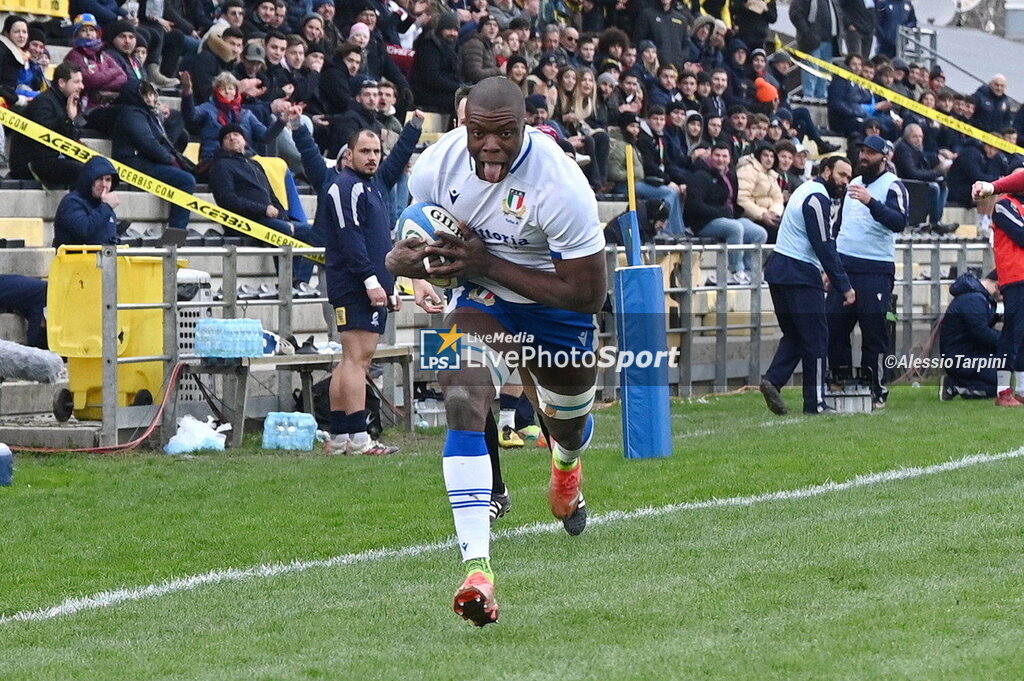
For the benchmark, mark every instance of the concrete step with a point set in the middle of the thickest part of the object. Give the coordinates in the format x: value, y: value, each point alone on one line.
x: 45, y: 431
x: 12, y: 328
x: 31, y: 262
x: 136, y: 206
x: 26, y: 397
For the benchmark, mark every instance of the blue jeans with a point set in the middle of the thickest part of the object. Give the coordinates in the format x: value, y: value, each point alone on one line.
x: 812, y: 85
x: 302, y: 268
x: 735, y: 232
x: 399, y: 198
x: 176, y: 177
x: 938, y: 192
x: 670, y: 196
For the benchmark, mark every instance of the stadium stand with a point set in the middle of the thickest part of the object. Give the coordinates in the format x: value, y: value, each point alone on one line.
x: 579, y: 104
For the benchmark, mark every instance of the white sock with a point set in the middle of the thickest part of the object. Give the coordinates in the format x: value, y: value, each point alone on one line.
x: 360, y: 439
x: 1002, y: 381
x: 1018, y: 382
x: 569, y: 456
x: 467, y: 476
x: 507, y: 417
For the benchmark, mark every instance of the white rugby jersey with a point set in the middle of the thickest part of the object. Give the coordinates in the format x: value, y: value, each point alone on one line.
x: 544, y: 210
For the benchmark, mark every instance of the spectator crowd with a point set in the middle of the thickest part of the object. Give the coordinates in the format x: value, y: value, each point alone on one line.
x: 714, y: 114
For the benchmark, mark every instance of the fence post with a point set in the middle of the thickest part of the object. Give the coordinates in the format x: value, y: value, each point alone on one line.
x: 284, y: 324
x: 685, y: 372
x: 108, y: 267
x: 721, y: 318
x: 754, y: 360
x: 171, y: 349
x: 908, y: 298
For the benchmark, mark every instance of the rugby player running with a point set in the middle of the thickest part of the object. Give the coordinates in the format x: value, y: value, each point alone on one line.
x: 531, y: 261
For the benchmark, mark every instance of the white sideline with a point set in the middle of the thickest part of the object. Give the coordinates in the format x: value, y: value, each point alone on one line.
x: 108, y: 599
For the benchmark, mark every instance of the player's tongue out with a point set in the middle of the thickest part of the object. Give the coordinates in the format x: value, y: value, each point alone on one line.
x: 492, y: 171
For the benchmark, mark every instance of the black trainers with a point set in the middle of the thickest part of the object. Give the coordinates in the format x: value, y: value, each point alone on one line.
x: 826, y: 147
x: 577, y: 522
x: 772, y: 398
x: 500, y: 505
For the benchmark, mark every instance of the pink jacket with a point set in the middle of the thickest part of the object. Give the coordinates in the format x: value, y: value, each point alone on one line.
x: 102, y: 76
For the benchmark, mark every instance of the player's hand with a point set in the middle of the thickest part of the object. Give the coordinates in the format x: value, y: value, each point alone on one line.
x: 427, y: 297
x: 468, y: 257
x: 406, y: 259
x: 378, y: 296
x: 859, y: 192
x: 849, y: 298
x: 982, y: 189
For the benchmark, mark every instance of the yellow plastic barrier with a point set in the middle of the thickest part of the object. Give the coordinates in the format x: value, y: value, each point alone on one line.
x: 75, y: 327
x: 48, y: 8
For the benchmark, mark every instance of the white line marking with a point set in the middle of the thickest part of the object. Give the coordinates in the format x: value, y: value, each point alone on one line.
x: 107, y: 599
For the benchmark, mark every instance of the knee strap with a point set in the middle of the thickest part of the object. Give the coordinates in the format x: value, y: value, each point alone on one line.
x: 565, y: 407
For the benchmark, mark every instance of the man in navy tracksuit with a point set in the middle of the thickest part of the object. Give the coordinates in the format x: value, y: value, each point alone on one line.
x: 359, y: 286
x: 968, y: 331
x: 875, y: 210
x: 803, y: 251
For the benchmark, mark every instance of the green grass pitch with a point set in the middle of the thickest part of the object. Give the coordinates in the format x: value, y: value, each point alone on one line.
x: 920, y: 578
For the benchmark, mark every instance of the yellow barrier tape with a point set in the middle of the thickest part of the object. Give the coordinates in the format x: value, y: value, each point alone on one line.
x: 907, y: 103
x: 129, y: 175
x: 630, y: 182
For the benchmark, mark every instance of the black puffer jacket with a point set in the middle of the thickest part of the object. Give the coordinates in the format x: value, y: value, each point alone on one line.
x: 709, y: 197
x: 140, y: 132
x: 435, y: 73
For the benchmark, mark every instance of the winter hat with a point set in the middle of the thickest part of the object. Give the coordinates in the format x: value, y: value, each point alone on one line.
x: 359, y: 27
x: 766, y: 92
x: 644, y: 44
x: 535, y: 103
x: 36, y: 34
x: 13, y: 19
x: 692, y: 115
x: 627, y: 118
x: 313, y: 16
x: 447, y: 21
x: 226, y: 130
x: 319, y: 3
x: 83, y: 20
x: 780, y: 56
x: 607, y: 79
x: 758, y: 51
x: 116, y: 28
x: 516, y: 59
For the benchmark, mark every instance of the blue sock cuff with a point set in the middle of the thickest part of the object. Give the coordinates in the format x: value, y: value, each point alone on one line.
x: 465, y: 443
x: 339, y: 422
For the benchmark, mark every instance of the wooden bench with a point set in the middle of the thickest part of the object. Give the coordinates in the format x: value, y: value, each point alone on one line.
x: 239, y: 369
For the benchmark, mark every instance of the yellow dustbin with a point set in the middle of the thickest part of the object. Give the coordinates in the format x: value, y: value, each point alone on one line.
x: 75, y: 326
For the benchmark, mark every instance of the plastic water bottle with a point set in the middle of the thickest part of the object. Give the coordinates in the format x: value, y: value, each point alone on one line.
x: 289, y: 430
x: 6, y: 466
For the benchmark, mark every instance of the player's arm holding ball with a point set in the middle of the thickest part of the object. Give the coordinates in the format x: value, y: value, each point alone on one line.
x: 577, y: 284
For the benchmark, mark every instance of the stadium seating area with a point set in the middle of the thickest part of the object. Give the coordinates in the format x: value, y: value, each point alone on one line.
x: 624, y: 68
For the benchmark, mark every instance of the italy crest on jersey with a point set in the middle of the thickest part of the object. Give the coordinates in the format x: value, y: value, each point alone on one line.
x: 515, y: 203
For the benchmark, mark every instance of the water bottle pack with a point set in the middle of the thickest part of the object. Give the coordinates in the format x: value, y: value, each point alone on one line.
x: 229, y: 338
x: 289, y: 430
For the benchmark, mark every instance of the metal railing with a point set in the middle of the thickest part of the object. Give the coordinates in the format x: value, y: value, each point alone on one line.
x: 721, y: 339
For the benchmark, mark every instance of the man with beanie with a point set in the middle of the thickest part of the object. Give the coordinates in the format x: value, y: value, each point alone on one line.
x: 359, y: 286
x: 479, y: 59
x: 332, y: 33
x: 805, y: 250
x: 435, y: 68
x: 239, y: 184
x: 123, y: 40
x: 967, y: 332
x: 876, y: 209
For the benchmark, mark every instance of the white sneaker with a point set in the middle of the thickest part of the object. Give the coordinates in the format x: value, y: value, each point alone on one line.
x: 369, y: 448
x: 337, y: 445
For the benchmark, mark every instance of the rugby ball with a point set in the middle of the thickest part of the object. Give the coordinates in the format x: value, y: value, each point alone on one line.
x: 426, y: 221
